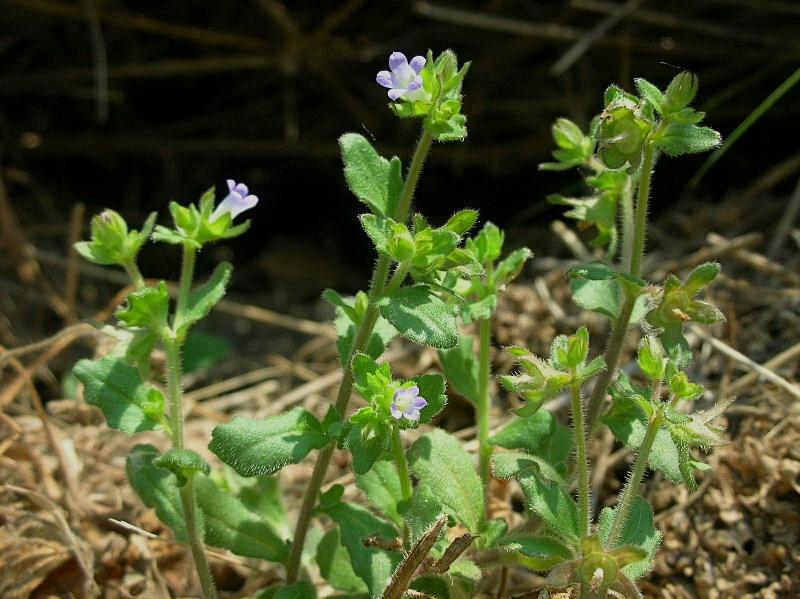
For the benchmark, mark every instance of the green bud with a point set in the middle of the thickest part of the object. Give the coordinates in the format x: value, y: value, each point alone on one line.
x: 401, y: 245
x: 621, y: 135
x: 700, y: 278
x: 651, y: 359
x: 112, y: 243
x: 680, y: 92
x: 682, y: 388
x: 578, y: 347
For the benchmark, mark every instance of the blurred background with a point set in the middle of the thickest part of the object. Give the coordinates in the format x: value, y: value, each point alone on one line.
x: 132, y: 104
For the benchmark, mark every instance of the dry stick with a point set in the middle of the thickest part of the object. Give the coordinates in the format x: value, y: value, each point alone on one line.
x: 760, y: 262
x: 770, y: 365
x: 707, y: 253
x: 599, y: 31
x: 401, y: 579
x: 740, y: 358
x: 345, y: 388
x: 786, y: 223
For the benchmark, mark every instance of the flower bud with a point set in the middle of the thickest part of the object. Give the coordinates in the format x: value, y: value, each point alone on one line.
x: 680, y: 92
x: 621, y: 135
x: 401, y: 246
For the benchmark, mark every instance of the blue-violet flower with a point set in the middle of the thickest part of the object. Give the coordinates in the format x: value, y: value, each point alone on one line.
x: 237, y: 201
x: 407, y: 402
x: 404, y: 80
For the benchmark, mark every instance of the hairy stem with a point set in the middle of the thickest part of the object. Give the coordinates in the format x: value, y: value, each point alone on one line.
x: 622, y: 322
x: 484, y: 402
x: 195, y: 540
x: 581, y: 458
x: 401, y: 463
x: 135, y: 274
x: 631, y: 491
x: 377, y: 287
x: 173, y: 345
x: 187, y: 274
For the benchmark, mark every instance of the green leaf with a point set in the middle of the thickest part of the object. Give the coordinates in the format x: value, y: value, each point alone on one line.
x: 381, y: 484
x: 147, y: 308
x: 650, y: 92
x: 420, y: 513
x: 203, y: 350
x: 537, y: 553
x: 421, y: 316
x: 379, y: 229
x: 183, y: 463
x: 461, y: 222
x: 368, y: 438
x: 258, y: 447
x: 229, y: 524
x: 639, y: 531
x: 552, y: 504
x: 629, y: 424
x: 374, y: 566
x: 432, y: 388
x: 128, y: 403
x: 687, y: 139
x: 298, y: 590
x: 510, y: 267
x: 605, y: 297
x: 346, y: 324
x: 202, y: 299
x: 156, y: 487
x: 542, y: 436
x: 439, y: 461
x: 461, y: 368
x: 334, y: 564
x: 262, y: 496
x: 368, y: 174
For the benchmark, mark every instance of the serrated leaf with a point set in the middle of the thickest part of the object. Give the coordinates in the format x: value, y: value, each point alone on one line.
x: 156, y: 487
x: 334, y: 564
x: 639, y: 530
x: 605, y: 297
x: 129, y: 403
x: 374, y: 566
x: 202, y: 299
x: 147, y: 308
x: 381, y: 484
x: 259, y: 447
x: 552, y: 504
x: 229, y: 524
x: 368, y: 174
x: 461, y: 368
x: 687, y: 139
x: 439, y: 461
x: 183, y: 463
x: 379, y: 229
x: 421, y: 316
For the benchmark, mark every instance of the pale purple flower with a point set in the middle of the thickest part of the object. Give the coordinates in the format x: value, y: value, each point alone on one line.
x: 237, y: 201
x: 407, y: 402
x: 404, y: 80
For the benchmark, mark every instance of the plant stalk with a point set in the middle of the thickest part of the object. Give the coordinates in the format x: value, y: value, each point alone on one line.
x: 135, y: 274
x: 484, y: 402
x: 401, y: 463
x: 636, y: 252
x: 173, y: 345
x: 377, y: 287
x: 631, y: 491
x: 581, y: 458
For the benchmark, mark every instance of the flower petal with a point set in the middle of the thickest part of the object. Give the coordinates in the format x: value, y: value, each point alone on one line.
x: 411, y: 414
x: 397, y: 60
x: 414, y: 85
x: 231, y: 184
x: 395, y: 412
x: 397, y: 93
x: 417, y: 63
x: 419, y: 403
x: 412, y: 391
x: 384, y: 78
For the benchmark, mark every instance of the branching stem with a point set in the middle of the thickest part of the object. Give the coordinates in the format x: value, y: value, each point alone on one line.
x: 376, y: 291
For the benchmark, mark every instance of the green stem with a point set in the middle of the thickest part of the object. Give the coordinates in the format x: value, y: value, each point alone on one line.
x: 195, y: 540
x: 642, y: 201
x: 631, y: 491
x: 173, y: 345
x: 135, y: 274
x: 377, y: 287
x: 484, y: 402
x: 402, y: 465
x: 627, y: 223
x: 187, y: 274
x: 636, y: 253
x: 581, y: 458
